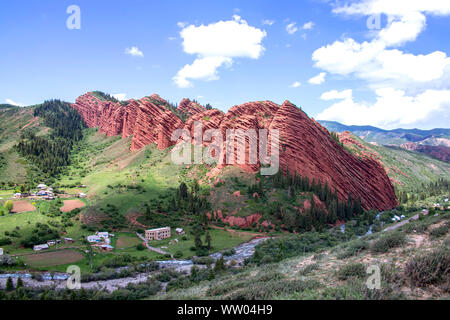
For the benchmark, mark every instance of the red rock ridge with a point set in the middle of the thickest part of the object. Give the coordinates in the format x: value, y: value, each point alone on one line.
x: 308, y: 150
x: 190, y: 107
x: 305, y: 146
x: 147, y: 119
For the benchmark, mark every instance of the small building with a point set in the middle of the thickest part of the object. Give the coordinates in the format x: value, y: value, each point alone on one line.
x: 68, y: 240
x: 425, y: 212
x: 42, y: 186
x: 82, y: 195
x: 17, y: 195
x: 158, y: 233
x: 1, y: 251
x: 94, y: 239
x: 107, y: 247
x: 51, y: 243
x: 179, y: 231
x: 40, y: 247
x: 104, y: 235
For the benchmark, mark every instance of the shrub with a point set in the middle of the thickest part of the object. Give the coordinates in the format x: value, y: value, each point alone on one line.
x: 389, y: 241
x: 439, y: 231
x: 308, y: 269
x: 5, y: 241
x: 6, y: 260
x: 429, y: 268
x: 8, y: 205
x: 271, y: 289
x: 351, y: 270
x: 140, y: 247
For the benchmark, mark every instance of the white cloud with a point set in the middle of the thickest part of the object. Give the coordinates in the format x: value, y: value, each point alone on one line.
x: 319, y: 79
x: 181, y: 24
x: 201, y: 69
x: 172, y: 38
x: 392, y: 109
x: 9, y: 101
x: 409, y: 88
x: 120, y: 96
x: 334, y: 94
x: 296, y: 84
x: 308, y: 25
x: 291, y: 28
x: 397, y: 7
x: 268, y: 22
x: 216, y: 45
x: 403, y: 29
x: 134, y: 51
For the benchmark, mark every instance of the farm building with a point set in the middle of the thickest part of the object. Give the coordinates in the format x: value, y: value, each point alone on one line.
x: 40, y: 247
x: 158, y: 233
x: 104, y: 235
x: 107, y: 247
x: 94, y: 239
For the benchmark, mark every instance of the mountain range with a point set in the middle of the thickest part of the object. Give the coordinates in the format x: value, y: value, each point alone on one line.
x: 434, y: 142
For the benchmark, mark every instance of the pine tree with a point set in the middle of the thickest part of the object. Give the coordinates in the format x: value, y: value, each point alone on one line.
x: 19, y: 283
x: 208, y: 240
x: 9, y: 284
x: 219, y: 266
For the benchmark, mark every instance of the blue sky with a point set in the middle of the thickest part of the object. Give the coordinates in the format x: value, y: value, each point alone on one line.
x: 397, y: 75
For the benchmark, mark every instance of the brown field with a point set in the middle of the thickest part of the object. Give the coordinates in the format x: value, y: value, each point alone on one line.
x: 69, y: 205
x: 22, y: 206
x: 53, y: 258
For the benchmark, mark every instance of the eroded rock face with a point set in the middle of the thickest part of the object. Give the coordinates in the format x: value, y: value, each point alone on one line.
x: 308, y: 149
x: 305, y: 146
x: 149, y: 119
x: 190, y: 107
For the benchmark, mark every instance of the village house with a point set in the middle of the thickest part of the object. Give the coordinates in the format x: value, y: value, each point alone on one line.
x: 82, y: 195
x: 179, y: 231
x: 158, y: 233
x: 94, y: 239
x: 104, y: 235
x: 40, y: 247
x: 51, y: 243
x: 41, y: 186
x: 107, y: 247
x: 68, y: 240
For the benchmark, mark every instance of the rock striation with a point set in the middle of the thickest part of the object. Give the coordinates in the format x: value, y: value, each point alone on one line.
x: 305, y: 147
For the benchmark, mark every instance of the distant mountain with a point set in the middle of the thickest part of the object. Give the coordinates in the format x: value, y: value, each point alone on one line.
x: 434, y: 142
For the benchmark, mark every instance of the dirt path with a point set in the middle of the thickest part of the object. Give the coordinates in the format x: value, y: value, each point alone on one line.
x: 402, y: 223
x: 153, y: 248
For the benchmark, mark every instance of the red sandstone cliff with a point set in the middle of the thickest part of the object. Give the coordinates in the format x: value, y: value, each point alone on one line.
x: 305, y: 146
x: 149, y: 119
x: 190, y: 107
